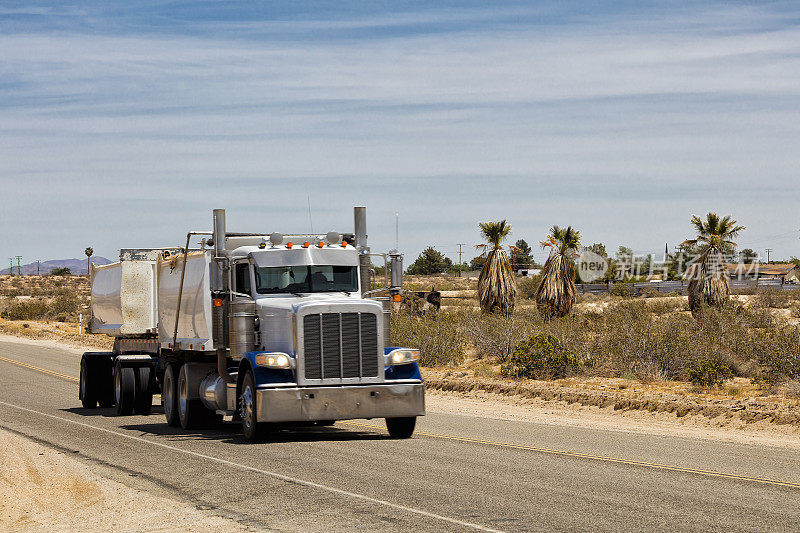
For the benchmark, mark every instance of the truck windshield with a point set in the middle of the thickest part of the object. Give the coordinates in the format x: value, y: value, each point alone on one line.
x: 317, y: 278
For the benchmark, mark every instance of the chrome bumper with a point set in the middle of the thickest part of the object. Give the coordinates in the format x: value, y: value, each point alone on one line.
x: 340, y: 403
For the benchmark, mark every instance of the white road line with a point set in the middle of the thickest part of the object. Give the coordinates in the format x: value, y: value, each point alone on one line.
x: 275, y: 475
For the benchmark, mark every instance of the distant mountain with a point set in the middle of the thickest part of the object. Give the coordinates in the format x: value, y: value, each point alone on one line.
x: 77, y: 266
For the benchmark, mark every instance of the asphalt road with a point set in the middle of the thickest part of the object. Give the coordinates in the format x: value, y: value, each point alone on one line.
x: 459, y: 473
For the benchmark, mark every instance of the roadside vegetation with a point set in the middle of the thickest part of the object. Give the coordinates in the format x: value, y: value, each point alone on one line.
x: 644, y: 339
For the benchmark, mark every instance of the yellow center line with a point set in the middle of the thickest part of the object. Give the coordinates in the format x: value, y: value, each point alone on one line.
x: 38, y: 369
x: 525, y: 447
x: 604, y: 458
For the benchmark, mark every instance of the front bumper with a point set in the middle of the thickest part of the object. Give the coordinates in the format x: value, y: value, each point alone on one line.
x: 299, y: 404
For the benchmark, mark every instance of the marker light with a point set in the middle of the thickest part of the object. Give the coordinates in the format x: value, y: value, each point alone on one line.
x: 274, y: 360
x: 401, y: 356
x: 320, y: 244
x: 289, y: 245
x: 397, y: 298
x: 306, y: 244
x: 217, y: 302
x: 344, y: 244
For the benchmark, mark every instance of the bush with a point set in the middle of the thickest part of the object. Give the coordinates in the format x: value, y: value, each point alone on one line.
x: 527, y: 287
x: 625, y: 290
x: 438, y: 336
x: 61, y: 271
x: 494, y: 335
x: 710, y: 373
x: 541, y: 356
x: 26, y: 309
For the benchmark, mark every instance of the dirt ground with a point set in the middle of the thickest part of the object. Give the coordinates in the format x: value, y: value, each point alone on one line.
x: 42, y: 489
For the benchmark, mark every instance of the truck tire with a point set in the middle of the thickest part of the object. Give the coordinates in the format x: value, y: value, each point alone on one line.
x: 105, y: 391
x: 87, y: 384
x: 169, y: 395
x: 401, y: 428
x: 124, y: 389
x: 192, y: 413
x: 143, y: 404
x: 253, y: 430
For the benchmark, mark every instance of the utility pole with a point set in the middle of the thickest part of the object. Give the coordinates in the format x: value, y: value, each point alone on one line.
x: 37, y: 267
x: 768, y: 252
x: 460, y: 244
x: 19, y: 266
x: 11, y: 268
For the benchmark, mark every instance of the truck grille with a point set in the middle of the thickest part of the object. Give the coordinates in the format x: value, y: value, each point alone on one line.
x: 340, y: 345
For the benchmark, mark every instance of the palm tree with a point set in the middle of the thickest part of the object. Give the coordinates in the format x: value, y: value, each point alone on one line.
x: 497, y: 288
x: 556, y: 293
x: 708, y: 278
x: 88, y: 251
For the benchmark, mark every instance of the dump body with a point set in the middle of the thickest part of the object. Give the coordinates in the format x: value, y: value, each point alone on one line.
x: 194, y: 320
x: 124, y: 299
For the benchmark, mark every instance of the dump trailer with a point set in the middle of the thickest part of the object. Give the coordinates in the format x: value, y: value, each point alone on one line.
x: 264, y: 328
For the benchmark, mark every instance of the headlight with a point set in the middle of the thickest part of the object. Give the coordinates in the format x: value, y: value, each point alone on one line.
x: 401, y: 356
x: 274, y: 360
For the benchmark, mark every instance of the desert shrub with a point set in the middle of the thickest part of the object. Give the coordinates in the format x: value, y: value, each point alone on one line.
x: 650, y: 292
x: 61, y: 271
x: 709, y: 373
x: 26, y: 309
x: 625, y: 290
x: 629, y: 338
x: 494, y: 335
x: 438, y: 336
x: 65, y: 303
x: 526, y: 287
x: 778, y: 354
x: 793, y: 389
x: 541, y: 356
x: 775, y: 298
x: 667, y: 305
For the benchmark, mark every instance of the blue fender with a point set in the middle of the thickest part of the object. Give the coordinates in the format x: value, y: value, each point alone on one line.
x: 264, y: 376
x: 407, y: 371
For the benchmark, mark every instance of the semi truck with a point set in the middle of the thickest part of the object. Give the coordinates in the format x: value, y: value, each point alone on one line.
x: 264, y: 328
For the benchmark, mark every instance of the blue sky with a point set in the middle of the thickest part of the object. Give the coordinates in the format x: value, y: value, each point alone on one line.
x: 123, y: 126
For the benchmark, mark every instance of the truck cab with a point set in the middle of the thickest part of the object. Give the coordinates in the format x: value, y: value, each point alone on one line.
x: 319, y: 348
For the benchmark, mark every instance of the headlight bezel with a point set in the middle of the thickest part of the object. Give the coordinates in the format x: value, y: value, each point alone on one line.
x: 274, y: 360
x: 401, y: 356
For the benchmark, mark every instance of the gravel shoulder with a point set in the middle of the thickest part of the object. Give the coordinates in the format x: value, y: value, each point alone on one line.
x: 44, y: 489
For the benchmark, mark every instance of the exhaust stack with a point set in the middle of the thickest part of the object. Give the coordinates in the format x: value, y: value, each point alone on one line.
x: 221, y: 283
x: 364, y: 263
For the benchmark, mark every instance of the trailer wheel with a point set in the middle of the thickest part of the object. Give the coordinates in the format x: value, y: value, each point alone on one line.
x: 253, y: 430
x: 105, y: 376
x: 169, y: 395
x: 143, y: 404
x: 87, y: 386
x: 192, y: 413
x: 402, y: 427
x: 124, y: 389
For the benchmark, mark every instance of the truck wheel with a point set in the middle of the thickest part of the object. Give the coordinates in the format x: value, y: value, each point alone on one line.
x: 143, y: 404
x: 87, y: 386
x: 105, y: 389
x: 401, y: 428
x: 192, y: 413
x: 124, y: 389
x: 253, y: 430
x: 169, y: 395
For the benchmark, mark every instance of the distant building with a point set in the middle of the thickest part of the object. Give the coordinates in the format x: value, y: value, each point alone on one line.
x: 786, y: 272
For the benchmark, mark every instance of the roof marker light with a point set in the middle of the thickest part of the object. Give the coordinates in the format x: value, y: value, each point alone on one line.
x: 320, y: 244
x: 306, y: 244
x: 289, y: 245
